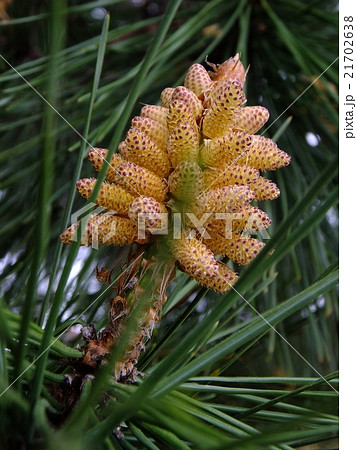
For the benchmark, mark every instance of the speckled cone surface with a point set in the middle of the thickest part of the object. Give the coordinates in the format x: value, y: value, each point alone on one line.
x: 197, y: 155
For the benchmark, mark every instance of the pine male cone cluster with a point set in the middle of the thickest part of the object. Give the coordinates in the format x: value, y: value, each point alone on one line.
x: 194, y: 163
